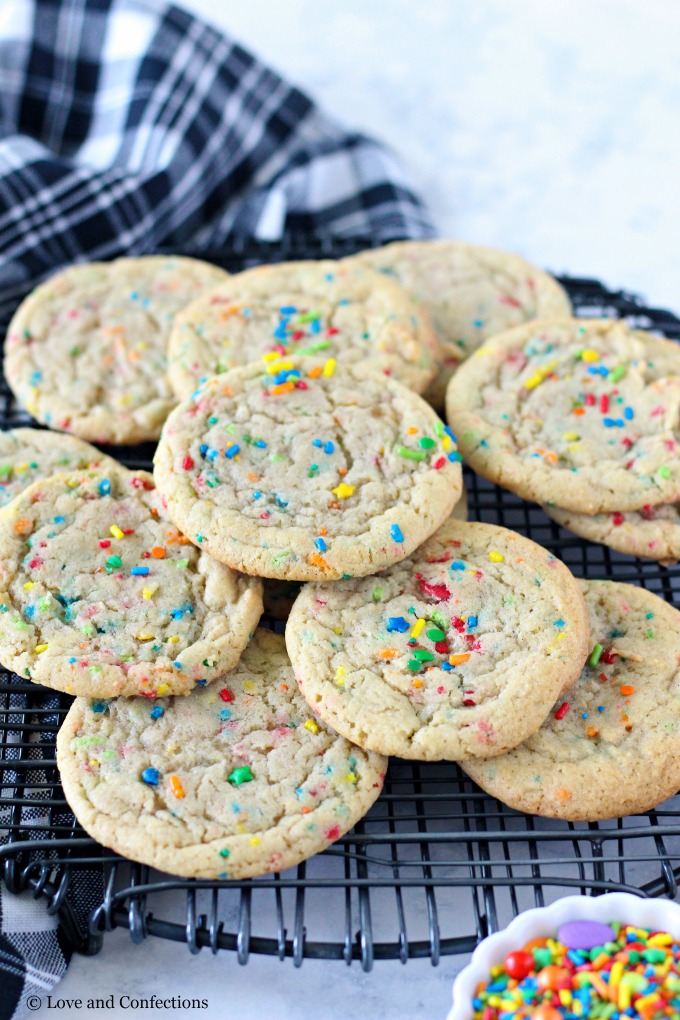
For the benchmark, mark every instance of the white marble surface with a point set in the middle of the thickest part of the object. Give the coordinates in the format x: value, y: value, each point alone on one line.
x: 548, y: 128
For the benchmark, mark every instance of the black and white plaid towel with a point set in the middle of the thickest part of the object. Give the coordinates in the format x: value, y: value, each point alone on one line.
x: 127, y: 126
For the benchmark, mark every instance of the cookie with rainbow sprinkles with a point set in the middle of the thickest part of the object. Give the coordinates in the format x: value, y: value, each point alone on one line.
x: 340, y: 310
x: 609, y: 747
x: 101, y: 595
x: 304, y: 469
x: 653, y: 532
x: 86, y: 352
x: 29, y: 454
x: 457, y: 652
x: 578, y: 413
x: 238, y: 779
x: 470, y: 291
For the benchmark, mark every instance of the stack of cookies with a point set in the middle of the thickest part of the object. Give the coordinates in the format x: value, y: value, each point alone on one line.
x: 297, y: 463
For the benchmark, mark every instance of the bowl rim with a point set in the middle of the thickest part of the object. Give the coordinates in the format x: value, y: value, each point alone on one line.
x: 543, y: 921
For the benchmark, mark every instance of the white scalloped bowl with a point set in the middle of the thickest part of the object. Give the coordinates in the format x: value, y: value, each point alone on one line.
x: 544, y: 921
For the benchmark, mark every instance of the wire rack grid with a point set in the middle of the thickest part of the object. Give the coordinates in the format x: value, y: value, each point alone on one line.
x: 434, y: 866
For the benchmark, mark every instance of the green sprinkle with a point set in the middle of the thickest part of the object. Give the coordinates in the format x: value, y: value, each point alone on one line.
x: 5, y: 470
x: 114, y: 561
x: 618, y: 372
x: 439, y: 428
x: 595, y: 655
x: 309, y: 317
x: 404, y: 451
x: 241, y: 775
x: 280, y: 557
x: 181, y: 564
x: 276, y: 456
x: 199, y: 538
x: 320, y: 345
x: 313, y: 469
x: 436, y: 617
x: 648, y: 616
x: 423, y: 655
x: 413, y: 664
x: 377, y: 594
x: 650, y: 633
x: 21, y: 625
x: 542, y: 957
x: 435, y: 634
x: 86, y: 741
x: 426, y: 443
x: 224, y: 852
x: 664, y: 472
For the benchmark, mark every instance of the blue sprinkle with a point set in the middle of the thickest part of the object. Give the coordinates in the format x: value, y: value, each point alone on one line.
x: 628, y: 414
x: 104, y: 487
x: 600, y: 708
x: 458, y: 565
x: 35, y: 378
x: 396, y: 533
x: 212, y: 454
x: 225, y: 714
x: 288, y: 310
x: 157, y: 711
x: 177, y: 664
x: 256, y: 495
x: 315, y: 326
x: 139, y: 571
x: 72, y: 659
x: 559, y: 623
x: 260, y: 444
x: 58, y: 520
x: 455, y: 456
x: 151, y: 776
x: 398, y: 623
x: 177, y: 614
x: 280, y: 501
x: 584, y: 715
x: 134, y: 295
x: 29, y: 611
x: 471, y: 622
x: 99, y: 706
x: 478, y: 323
x: 201, y: 683
x: 233, y: 450
x: 317, y: 442
x: 608, y: 423
x: 280, y: 332
x: 320, y: 544
x: 450, y: 434
x: 203, y: 449
x: 328, y: 447
x: 343, y: 301
x: 446, y: 666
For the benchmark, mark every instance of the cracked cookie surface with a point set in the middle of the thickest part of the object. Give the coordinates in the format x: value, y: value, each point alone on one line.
x: 584, y: 414
x: 29, y: 454
x: 348, y: 312
x: 471, y: 293
x: 306, y: 470
x: 610, y: 748
x: 238, y: 779
x: 457, y: 652
x: 101, y: 595
x: 86, y: 352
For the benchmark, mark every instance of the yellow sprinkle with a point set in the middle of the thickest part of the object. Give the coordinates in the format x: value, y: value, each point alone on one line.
x: 446, y: 443
x: 590, y: 355
x: 660, y: 939
x: 21, y: 467
x: 329, y: 368
x: 417, y: 628
x: 565, y: 996
x: 41, y: 648
x: 145, y: 637
x: 571, y: 437
x: 29, y: 585
x: 350, y: 777
x: 342, y: 491
x: 280, y: 366
x: 340, y: 675
x: 496, y: 557
x: 163, y: 689
x: 248, y: 685
x: 173, y: 638
x: 337, y: 630
x: 240, y: 828
x: 72, y: 483
x: 311, y: 726
x: 533, y: 381
x: 255, y: 841
x: 271, y: 356
x: 94, y: 761
x: 116, y: 532
x: 147, y: 593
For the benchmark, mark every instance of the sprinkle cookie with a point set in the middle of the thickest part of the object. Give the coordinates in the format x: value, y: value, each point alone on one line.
x: 611, y: 747
x: 86, y: 352
x: 100, y: 595
x: 471, y: 293
x: 298, y: 469
x: 457, y: 652
x: 579, y: 413
x: 347, y: 312
x: 237, y: 780
x: 29, y: 454
x: 652, y: 532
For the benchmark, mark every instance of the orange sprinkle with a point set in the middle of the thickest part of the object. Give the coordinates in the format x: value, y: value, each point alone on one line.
x: 592, y: 731
x: 455, y: 660
x: 305, y: 810
x: 176, y: 786
x: 174, y: 537
x: 342, y: 471
x: 284, y: 687
x: 578, y: 410
x: 158, y: 552
x: 252, y: 478
x: 323, y: 531
x: 563, y: 794
x: 387, y: 653
x: 284, y: 387
x: 626, y: 690
x: 227, y: 313
x: 551, y: 457
x: 226, y: 391
x: 111, y: 330
x: 83, y: 644
x: 133, y: 355
x: 417, y: 683
x: 318, y: 561
x: 315, y: 372
x: 412, y: 431
x: 24, y: 526
x: 333, y: 505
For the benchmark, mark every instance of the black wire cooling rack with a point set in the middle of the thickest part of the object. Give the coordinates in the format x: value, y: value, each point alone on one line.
x: 434, y: 866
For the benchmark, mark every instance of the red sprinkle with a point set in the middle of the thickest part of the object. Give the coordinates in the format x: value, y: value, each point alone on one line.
x: 608, y: 656
x: 590, y: 399
x: 104, y: 543
x: 437, y: 591
x: 603, y: 677
x: 442, y: 647
x: 188, y: 463
x: 439, y: 463
x: 617, y: 519
x: 226, y: 695
x: 604, y: 403
x: 562, y: 710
